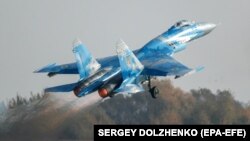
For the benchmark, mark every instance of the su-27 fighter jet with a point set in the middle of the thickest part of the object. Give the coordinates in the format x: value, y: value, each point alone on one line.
x: 125, y: 72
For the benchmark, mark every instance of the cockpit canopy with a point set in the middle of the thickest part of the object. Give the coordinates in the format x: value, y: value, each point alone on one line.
x: 181, y: 24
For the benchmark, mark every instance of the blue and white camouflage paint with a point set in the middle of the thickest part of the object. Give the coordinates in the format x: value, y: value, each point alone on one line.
x: 124, y: 72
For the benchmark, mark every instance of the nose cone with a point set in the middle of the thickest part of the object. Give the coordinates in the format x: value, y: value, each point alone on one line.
x: 207, y: 27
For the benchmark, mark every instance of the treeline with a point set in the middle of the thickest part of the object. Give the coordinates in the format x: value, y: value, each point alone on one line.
x: 19, y: 100
x: 44, y: 120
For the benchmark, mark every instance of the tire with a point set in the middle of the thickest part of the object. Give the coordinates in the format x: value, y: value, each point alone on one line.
x: 154, y: 92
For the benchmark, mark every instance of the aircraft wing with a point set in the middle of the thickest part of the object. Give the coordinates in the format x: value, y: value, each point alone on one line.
x: 85, y: 64
x: 163, y: 65
x: 62, y: 88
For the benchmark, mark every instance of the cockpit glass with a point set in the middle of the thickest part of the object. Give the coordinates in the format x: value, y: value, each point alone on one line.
x: 183, y: 23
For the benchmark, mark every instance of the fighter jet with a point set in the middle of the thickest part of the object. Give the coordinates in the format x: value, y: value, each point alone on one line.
x: 125, y: 72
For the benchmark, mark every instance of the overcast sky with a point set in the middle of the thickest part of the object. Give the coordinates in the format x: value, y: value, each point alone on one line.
x: 35, y: 33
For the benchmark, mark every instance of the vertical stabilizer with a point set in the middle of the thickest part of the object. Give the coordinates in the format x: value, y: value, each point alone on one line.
x: 130, y: 65
x: 131, y: 68
x: 86, y: 63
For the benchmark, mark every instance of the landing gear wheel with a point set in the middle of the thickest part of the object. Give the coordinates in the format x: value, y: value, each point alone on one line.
x: 154, y: 92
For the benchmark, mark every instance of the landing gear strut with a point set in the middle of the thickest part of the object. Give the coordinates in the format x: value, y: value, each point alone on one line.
x: 154, y: 91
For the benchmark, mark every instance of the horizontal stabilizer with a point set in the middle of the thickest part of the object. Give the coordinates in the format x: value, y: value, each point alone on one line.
x: 48, y: 68
x: 129, y: 88
x: 62, y: 88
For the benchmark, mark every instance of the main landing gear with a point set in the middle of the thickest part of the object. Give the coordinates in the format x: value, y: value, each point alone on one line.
x: 154, y: 91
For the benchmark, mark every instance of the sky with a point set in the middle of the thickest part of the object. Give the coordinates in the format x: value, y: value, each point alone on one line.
x: 36, y: 33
